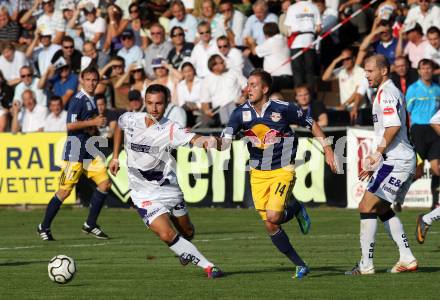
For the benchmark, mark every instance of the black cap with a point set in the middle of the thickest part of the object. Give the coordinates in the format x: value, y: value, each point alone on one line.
x: 134, y: 95
x: 128, y: 32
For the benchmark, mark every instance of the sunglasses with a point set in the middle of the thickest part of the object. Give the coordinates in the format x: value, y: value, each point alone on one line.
x: 223, y: 46
x: 26, y: 75
x: 134, y: 11
x: 127, y: 38
x: 137, y: 71
x: 68, y: 47
x: 177, y: 34
x: 204, y: 32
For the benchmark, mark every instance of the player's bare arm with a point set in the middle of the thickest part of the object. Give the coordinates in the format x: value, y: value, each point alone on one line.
x: 328, y: 151
x: 117, y: 140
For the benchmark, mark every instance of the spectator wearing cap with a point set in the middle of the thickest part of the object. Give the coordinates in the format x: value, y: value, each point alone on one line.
x: 221, y: 89
x: 230, y: 23
x: 136, y: 77
x: 254, y: 25
x: 232, y: 56
x: 403, y: 76
x: 275, y: 53
x: 130, y: 52
x: 28, y: 81
x: 426, y: 13
x: 166, y: 75
x: 432, y: 52
x: 50, y: 21
x: 95, y: 27
x: 111, y: 74
x: 415, y: 48
x: 11, y: 61
x: 203, y: 50
x: 42, y: 55
x: 6, y: 93
x: 9, y: 30
x: 69, y: 53
x: 136, y: 101
x: 181, y: 50
x: 382, y: 41
x: 187, y: 22
x: 158, y: 48
x: 98, y: 57
x: 57, y: 117
x: 28, y: 117
x: 62, y: 81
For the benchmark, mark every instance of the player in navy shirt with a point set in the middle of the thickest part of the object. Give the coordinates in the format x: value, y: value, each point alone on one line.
x: 272, y: 147
x: 81, y: 156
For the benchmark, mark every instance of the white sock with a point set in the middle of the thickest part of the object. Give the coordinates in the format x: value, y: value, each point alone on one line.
x: 432, y: 216
x: 187, y: 250
x: 395, y: 228
x: 367, y: 238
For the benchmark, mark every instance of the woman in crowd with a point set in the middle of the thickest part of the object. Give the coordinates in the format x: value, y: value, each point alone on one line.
x: 188, y: 93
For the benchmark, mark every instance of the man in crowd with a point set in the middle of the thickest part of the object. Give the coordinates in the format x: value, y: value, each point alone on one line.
x: 159, y: 47
x: 56, y: 119
x: 28, y: 117
x: 130, y: 52
x: 29, y: 82
x: 403, y: 76
x: 181, y: 19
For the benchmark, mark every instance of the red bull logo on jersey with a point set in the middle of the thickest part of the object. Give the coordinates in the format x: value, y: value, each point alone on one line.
x: 262, y: 136
x: 275, y: 116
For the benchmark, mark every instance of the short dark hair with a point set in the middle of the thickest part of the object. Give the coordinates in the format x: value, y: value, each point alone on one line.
x: 100, y: 96
x: 424, y: 62
x: 55, y: 98
x: 67, y: 38
x: 188, y: 64
x: 176, y: 28
x: 270, y: 29
x: 433, y: 29
x: 265, y: 77
x: 90, y: 70
x: 159, y: 89
x: 211, y: 61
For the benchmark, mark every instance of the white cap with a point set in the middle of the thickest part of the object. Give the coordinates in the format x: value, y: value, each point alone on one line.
x: 85, y: 62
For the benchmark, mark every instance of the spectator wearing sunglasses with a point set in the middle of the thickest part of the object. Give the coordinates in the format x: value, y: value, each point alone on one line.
x: 203, y: 50
x: 28, y: 81
x: 159, y: 48
x: 183, y: 20
x: 130, y: 52
x: 69, y: 53
x: 232, y: 56
x: 181, y: 50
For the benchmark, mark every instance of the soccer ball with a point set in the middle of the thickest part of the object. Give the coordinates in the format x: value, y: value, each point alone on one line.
x: 61, y: 269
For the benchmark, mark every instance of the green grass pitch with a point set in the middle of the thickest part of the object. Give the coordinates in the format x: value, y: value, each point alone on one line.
x: 134, y: 264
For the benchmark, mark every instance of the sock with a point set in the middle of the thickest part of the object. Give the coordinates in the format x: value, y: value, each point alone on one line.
x: 432, y: 216
x: 51, y: 211
x: 290, y: 211
x: 435, y: 183
x: 96, y: 203
x: 187, y: 250
x: 281, y: 241
x: 395, y: 228
x: 367, y: 239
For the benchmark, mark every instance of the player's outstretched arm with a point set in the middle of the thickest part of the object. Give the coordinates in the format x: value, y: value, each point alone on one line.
x: 117, y: 140
x: 328, y: 151
x: 206, y: 142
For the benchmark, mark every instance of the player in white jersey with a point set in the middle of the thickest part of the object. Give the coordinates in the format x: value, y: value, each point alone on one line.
x: 148, y: 140
x: 424, y: 221
x: 391, y: 168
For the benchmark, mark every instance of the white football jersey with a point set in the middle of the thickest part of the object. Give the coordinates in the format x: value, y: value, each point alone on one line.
x: 389, y: 110
x: 149, y: 160
x: 435, y: 118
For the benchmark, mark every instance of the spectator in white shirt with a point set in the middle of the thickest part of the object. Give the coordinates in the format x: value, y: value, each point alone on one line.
x: 95, y: 27
x: 130, y: 52
x: 425, y: 13
x: 203, y: 49
x: 181, y: 19
x: 30, y: 117
x: 230, y: 23
x: 221, y: 90
x: 232, y: 56
x: 188, y: 93
x: 432, y: 52
x: 11, y: 61
x: 304, y: 21
x: 29, y: 82
x: 254, y: 25
x: 275, y: 53
x: 56, y: 119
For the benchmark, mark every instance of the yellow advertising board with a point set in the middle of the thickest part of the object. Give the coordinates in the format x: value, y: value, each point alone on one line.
x: 30, y: 167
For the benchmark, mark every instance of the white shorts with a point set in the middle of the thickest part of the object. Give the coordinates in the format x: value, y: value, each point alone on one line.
x: 162, y: 203
x: 389, y: 184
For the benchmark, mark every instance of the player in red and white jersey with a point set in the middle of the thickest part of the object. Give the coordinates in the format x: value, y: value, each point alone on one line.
x: 391, y: 169
x: 148, y: 140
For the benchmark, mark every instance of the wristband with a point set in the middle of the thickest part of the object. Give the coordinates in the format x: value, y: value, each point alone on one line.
x: 115, y: 160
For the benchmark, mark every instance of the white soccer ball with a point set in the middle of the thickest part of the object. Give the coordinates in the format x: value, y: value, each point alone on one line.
x: 61, y: 269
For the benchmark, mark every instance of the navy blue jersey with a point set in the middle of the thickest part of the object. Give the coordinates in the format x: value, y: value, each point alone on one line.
x: 81, y: 108
x: 271, y: 142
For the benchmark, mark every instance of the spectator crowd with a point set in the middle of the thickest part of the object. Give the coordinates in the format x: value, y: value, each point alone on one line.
x: 203, y: 50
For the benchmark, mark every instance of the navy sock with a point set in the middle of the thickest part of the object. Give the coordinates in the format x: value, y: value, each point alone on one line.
x: 281, y: 241
x: 290, y: 211
x: 435, y: 183
x: 51, y: 211
x: 96, y: 203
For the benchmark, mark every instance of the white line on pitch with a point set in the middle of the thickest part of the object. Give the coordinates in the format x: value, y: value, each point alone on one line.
x: 74, y: 245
